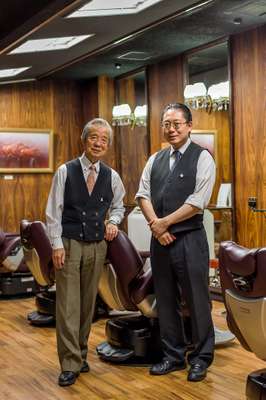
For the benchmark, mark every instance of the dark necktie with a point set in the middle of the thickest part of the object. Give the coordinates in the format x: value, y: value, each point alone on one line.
x: 177, y: 156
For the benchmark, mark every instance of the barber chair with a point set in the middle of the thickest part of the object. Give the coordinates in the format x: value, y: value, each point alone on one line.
x: 243, y: 274
x: 38, y: 257
x: 15, y: 277
x: 126, y: 286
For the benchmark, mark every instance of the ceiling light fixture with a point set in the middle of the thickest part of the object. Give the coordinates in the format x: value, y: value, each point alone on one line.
x: 4, y: 73
x: 97, y: 8
x: 50, y: 44
x: 237, y: 21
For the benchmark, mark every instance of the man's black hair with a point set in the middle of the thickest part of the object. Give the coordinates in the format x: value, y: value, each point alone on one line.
x: 178, y: 106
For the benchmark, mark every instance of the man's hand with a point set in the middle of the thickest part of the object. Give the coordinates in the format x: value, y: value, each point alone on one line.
x: 166, y: 238
x: 111, y: 231
x: 58, y: 257
x: 158, y: 227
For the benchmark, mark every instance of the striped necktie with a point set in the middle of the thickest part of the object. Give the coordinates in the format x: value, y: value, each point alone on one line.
x: 91, y: 178
x: 177, y: 155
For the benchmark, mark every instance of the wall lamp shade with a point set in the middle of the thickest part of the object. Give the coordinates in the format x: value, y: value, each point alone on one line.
x: 123, y: 116
x: 140, y: 115
x: 215, y: 99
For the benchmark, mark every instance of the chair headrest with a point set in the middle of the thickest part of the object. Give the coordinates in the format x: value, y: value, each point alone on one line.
x: 238, y: 259
x: 33, y: 235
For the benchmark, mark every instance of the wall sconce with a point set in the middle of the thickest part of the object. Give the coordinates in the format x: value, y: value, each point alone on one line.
x: 220, y: 96
x: 140, y: 115
x: 196, y: 96
x: 215, y: 99
x: 123, y: 116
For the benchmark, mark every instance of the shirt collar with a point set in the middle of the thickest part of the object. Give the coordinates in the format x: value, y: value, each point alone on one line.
x: 182, y: 149
x: 86, y: 163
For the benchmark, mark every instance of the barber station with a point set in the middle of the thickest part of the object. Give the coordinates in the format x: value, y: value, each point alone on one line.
x: 133, y: 199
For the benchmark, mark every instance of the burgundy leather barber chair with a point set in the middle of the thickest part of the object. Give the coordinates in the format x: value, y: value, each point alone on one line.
x: 15, y: 277
x: 126, y: 285
x: 243, y: 276
x: 38, y: 257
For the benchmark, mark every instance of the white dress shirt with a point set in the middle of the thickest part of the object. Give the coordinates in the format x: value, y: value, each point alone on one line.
x: 55, y: 204
x: 205, y: 178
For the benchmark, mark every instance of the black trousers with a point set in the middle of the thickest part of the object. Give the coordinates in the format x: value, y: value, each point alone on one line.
x: 184, y: 264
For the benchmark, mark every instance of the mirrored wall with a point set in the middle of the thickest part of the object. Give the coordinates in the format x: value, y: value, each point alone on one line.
x: 207, y: 94
x: 130, y: 121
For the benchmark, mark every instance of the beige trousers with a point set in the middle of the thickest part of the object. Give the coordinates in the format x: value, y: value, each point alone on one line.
x: 76, y: 290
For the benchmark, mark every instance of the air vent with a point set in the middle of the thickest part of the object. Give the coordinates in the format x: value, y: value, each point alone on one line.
x: 135, y: 55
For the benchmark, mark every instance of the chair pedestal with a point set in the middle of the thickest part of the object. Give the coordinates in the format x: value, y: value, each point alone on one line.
x: 131, y: 338
x: 256, y: 385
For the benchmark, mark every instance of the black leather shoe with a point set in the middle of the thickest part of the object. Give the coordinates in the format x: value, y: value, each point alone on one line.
x: 67, y: 378
x: 165, y: 367
x: 197, y: 373
x: 85, y: 367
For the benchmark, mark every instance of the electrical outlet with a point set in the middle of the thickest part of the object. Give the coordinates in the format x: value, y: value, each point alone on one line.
x: 252, y: 202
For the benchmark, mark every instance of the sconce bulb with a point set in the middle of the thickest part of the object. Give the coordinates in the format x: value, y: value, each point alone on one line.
x: 117, y: 65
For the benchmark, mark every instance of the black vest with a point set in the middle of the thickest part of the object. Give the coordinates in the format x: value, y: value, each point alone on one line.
x: 170, y: 189
x: 83, y: 214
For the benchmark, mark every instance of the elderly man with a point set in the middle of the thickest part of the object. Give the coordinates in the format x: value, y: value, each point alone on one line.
x: 84, y: 191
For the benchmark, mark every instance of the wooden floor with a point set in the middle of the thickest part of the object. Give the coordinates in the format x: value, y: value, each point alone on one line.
x: 29, y: 367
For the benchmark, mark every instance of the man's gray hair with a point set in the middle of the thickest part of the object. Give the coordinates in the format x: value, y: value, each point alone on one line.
x: 97, y: 122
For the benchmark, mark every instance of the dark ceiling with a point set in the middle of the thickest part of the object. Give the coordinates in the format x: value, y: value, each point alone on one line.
x: 159, y: 32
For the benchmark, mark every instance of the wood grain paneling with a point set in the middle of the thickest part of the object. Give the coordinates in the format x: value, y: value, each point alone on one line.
x: 43, y: 104
x: 219, y: 121
x: 249, y: 100
x: 98, y: 100
x: 165, y: 85
x: 132, y: 142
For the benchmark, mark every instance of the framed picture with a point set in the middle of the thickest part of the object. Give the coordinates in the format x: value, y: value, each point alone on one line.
x: 26, y: 150
x: 206, y: 139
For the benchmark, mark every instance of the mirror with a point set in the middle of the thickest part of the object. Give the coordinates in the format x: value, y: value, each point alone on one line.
x: 211, y: 123
x: 132, y: 134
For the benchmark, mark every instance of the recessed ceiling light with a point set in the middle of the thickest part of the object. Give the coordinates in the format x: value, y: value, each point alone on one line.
x: 96, y: 8
x: 237, y: 21
x: 135, y: 55
x: 11, y: 71
x: 50, y: 44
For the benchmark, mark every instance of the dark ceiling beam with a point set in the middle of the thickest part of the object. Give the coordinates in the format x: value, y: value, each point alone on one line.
x: 46, y: 15
x: 109, y: 46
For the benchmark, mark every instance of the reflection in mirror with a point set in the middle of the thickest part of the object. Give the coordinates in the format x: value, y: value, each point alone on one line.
x: 131, y: 132
x: 209, y: 106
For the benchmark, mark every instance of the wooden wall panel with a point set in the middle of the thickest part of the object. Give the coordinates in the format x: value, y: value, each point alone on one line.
x: 165, y: 85
x: 132, y: 144
x: 25, y: 195
x: 43, y: 104
x: 98, y: 101
x: 219, y: 121
x: 67, y: 121
x: 249, y: 100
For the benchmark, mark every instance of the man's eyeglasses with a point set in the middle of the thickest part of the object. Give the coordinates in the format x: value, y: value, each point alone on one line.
x: 176, y: 125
